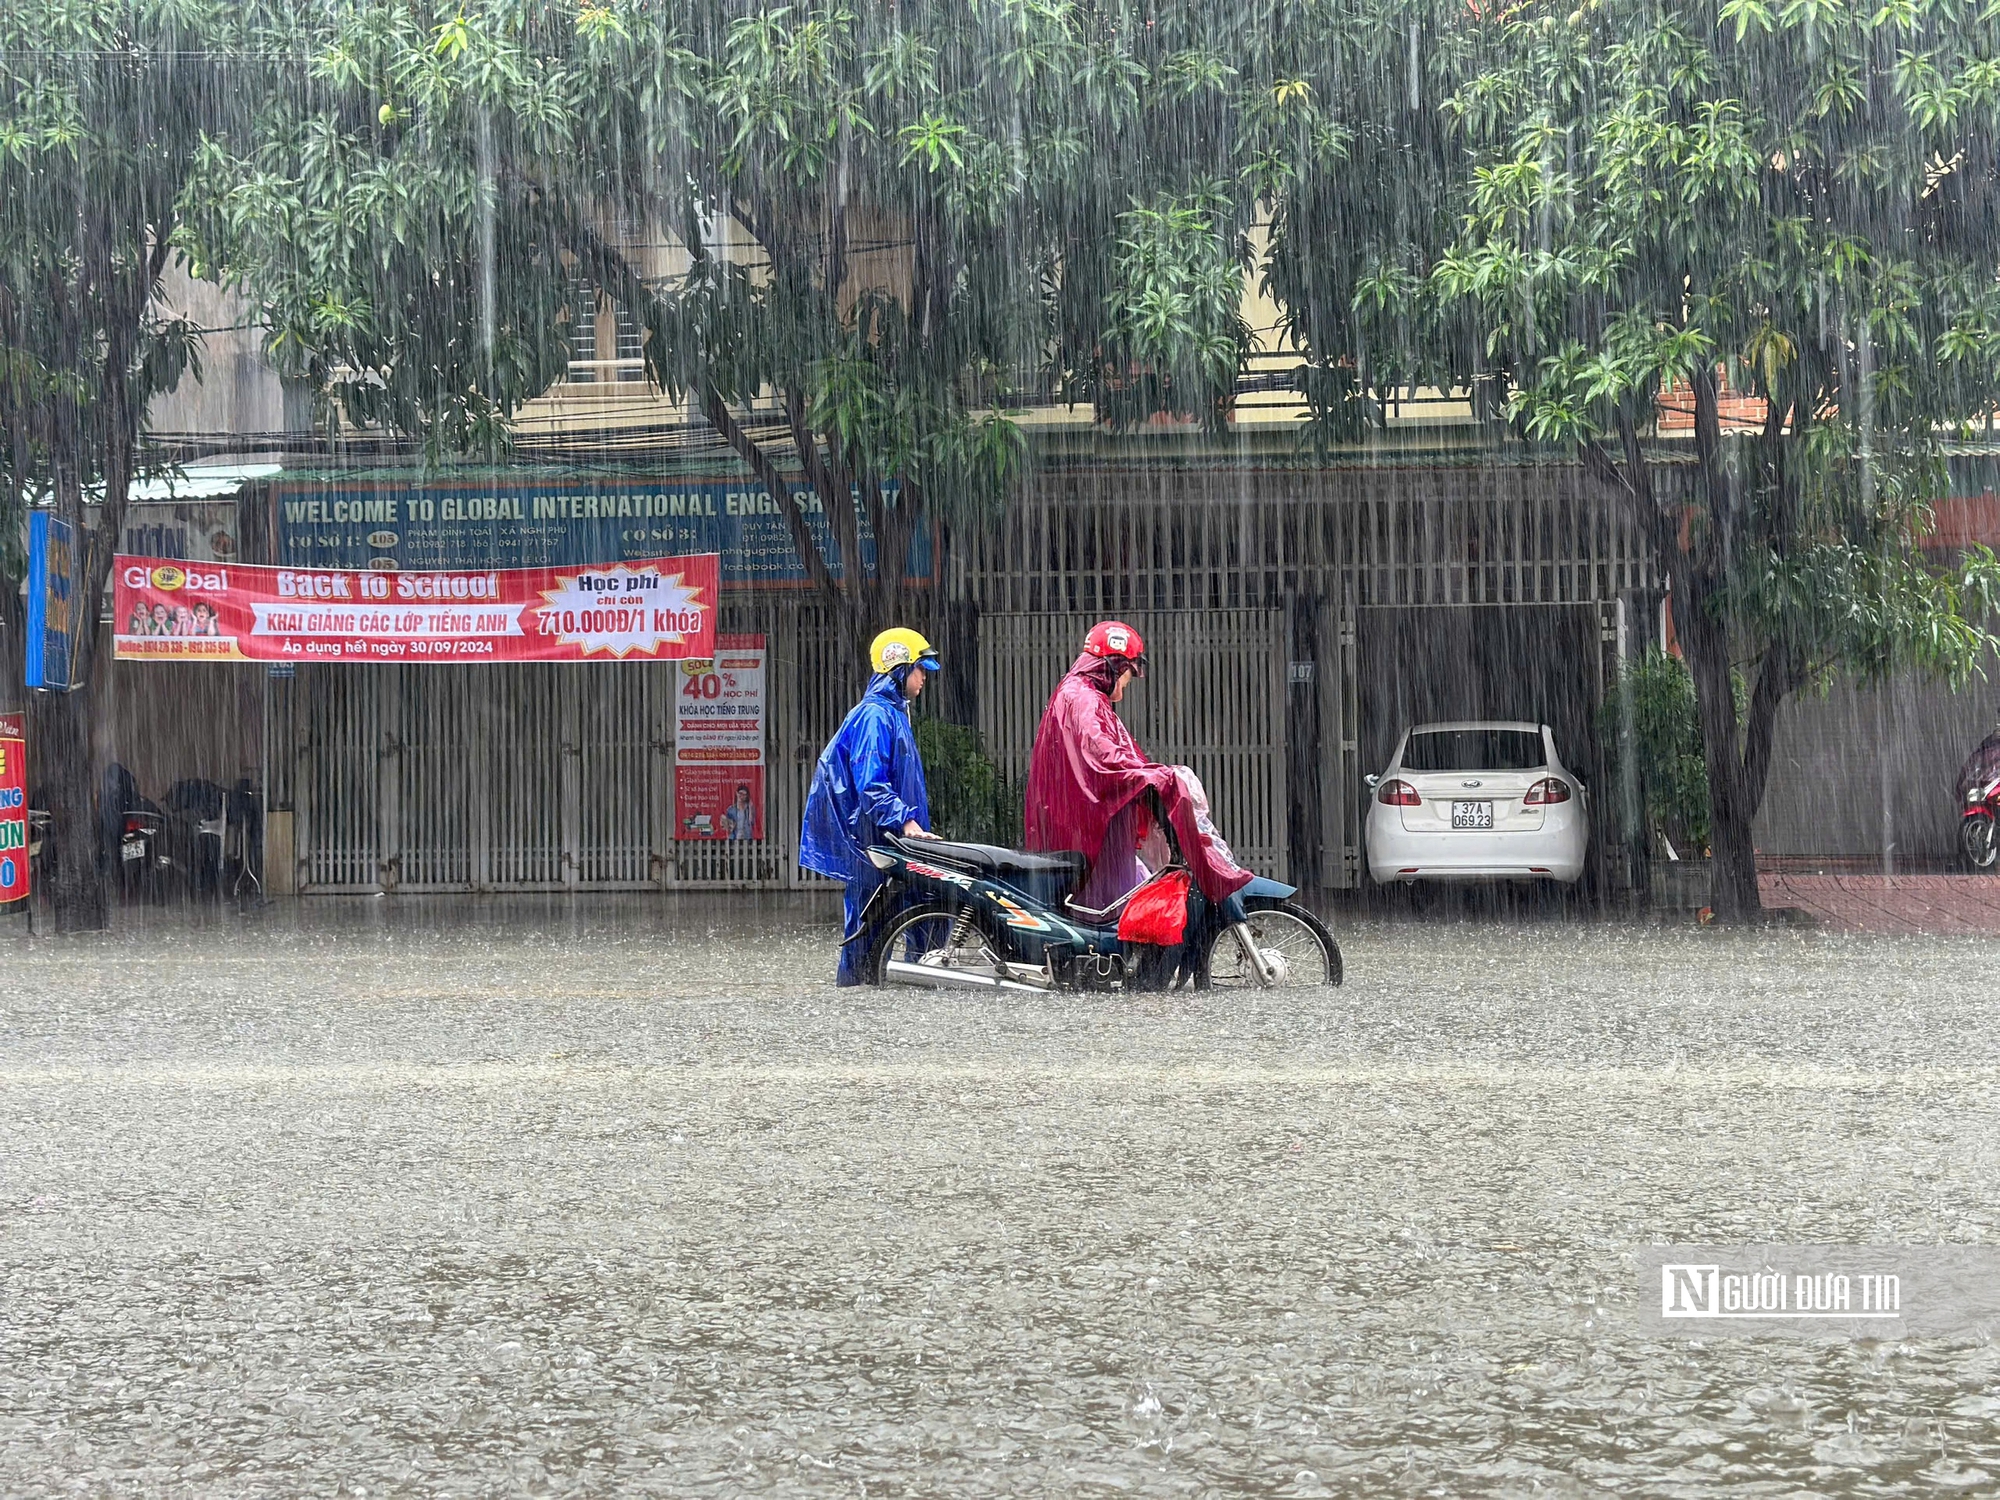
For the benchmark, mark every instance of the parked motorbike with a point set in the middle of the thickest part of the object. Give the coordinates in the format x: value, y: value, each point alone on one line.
x: 150, y: 851
x: 1977, y: 838
x: 1979, y: 804
x: 976, y: 916
x: 143, y: 861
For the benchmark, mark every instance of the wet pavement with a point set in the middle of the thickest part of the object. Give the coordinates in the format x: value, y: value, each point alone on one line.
x: 1950, y: 905
x: 619, y: 1198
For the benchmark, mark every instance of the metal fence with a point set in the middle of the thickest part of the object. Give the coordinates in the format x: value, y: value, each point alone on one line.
x: 534, y: 777
x: 1117, y: 540
x: 515, y: 777
x: 1213, y: 698
x: 1247, y: 582
x: 1250, y: 586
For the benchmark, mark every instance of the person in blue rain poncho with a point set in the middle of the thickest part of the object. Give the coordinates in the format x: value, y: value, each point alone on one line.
x: 870, y: 779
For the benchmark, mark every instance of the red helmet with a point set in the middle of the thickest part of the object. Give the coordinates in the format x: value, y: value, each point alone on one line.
x: 1116, y: 638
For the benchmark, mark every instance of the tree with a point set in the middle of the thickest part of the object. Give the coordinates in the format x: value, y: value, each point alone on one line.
x: 106, y: 109
x: 884, y: 226
x: 1352, y: 246
x: 1654, y: 731
x: 1797, y: 203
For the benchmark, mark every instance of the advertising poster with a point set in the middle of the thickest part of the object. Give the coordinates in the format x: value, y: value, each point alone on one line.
x: 13, y: 809
x: 656, y: 608
x: 719, y: 743
x: 556, y: 522
x: 51, y: 583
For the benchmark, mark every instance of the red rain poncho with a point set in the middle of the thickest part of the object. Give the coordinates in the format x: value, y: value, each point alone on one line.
x: 1087, y: 770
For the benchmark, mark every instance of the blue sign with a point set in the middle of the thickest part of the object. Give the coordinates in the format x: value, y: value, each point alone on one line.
x: 52, y: 620
x: 561, y: 523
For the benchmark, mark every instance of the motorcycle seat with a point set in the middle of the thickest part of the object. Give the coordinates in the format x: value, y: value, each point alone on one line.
x: 1065, y: 866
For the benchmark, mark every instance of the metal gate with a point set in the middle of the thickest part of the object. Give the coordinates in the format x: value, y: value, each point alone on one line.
x: 1213, y: 698
x: 517, y: 777
x: 535, y: 777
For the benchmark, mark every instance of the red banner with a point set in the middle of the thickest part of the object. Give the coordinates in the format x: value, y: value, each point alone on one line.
x: 13, y: 809
x: 656, y: 609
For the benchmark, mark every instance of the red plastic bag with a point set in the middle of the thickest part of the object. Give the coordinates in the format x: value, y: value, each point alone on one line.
x: 1157, y: 912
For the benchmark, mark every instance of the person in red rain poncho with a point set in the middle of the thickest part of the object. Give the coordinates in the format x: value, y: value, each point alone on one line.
x: 1088, y: 778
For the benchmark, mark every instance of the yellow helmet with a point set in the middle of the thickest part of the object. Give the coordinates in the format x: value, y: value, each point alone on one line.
x: 899, y: 648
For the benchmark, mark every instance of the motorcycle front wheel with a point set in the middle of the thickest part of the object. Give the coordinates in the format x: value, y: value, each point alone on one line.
x: 1977, y: 841
x: 1308, y: 955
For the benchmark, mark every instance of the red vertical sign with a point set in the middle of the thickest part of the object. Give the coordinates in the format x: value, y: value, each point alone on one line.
x: 13, y: 809
x: 719, y: 743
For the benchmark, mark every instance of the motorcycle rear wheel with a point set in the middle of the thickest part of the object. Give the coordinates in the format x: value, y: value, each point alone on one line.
x: 1311, y: 956
x: 923, y: 933
x: 1978, y: 842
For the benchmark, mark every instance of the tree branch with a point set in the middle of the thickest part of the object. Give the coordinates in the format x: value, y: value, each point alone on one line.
x: 123, y: 336
x: 1633, y: 483
x: 836, y: 238
x: 612, y: 271
x: 827, y: 481
x: 752, y: 453
x: 1603, y: 468
x: 894, y: 533
x: 1722, y: 504
x: 1778, y: 676
x: 877, y: 511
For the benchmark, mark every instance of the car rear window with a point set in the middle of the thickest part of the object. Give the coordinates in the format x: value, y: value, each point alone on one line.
x: 1474, y: 750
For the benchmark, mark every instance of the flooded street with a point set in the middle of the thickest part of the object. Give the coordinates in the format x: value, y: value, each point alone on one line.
x: 610, y: 1198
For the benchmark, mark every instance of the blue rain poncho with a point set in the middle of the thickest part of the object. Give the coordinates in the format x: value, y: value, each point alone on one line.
x: 869, y: 778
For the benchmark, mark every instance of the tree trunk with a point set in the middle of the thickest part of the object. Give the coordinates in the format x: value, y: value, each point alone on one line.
x: 13, y: 640
x: 1732, y: 802
x: 1736, y: 770
x: 62, y: 725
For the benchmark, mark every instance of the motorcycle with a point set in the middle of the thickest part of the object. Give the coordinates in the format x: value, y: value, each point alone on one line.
x: 1978, y: 788
x: 143, y: 860
x: 1977, y: 840
x: 977, y: 916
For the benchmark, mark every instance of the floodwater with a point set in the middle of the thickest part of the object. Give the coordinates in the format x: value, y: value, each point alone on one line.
x: 617, y: 1198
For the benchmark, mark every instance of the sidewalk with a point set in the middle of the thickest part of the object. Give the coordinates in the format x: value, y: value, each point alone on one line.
x: 1948, y: 905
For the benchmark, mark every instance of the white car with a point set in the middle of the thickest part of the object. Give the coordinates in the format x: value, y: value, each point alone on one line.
x: 1477, y: 800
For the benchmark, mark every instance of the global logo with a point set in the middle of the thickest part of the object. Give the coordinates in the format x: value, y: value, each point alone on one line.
x: 168, y: 579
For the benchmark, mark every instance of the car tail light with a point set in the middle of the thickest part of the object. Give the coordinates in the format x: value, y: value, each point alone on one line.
x: 1398, y: 794
x: 1550, y: 789
x: 134, y: 825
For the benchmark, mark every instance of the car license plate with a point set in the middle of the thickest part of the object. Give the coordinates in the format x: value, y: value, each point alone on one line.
x: 131, y: 851
x: 1472, y: 815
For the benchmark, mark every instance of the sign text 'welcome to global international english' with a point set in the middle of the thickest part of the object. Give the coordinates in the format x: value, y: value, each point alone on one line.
x: 529, y: 524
